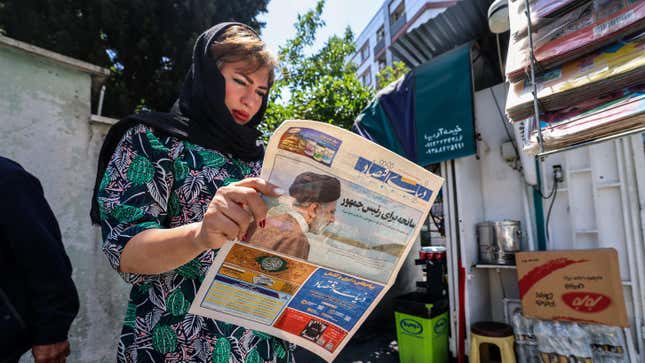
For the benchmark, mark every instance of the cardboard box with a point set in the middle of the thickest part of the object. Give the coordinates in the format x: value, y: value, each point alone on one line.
x: 576, y: 285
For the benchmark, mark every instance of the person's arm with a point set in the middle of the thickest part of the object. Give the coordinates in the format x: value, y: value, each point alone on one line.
x: 132, y: 213
x: 34, y: 240
x: 155, y: 251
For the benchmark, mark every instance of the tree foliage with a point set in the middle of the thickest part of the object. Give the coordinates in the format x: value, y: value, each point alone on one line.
x: 147, y: 44
x: 390, y: 74
x: 321, y: 86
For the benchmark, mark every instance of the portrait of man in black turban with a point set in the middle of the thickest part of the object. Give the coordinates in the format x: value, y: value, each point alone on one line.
x: 313, y: 208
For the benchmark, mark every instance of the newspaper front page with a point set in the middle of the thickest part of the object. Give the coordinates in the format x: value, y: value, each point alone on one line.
x: 330, y: 248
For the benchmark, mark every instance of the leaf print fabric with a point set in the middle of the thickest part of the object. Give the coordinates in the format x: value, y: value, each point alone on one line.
x: 160, y: 182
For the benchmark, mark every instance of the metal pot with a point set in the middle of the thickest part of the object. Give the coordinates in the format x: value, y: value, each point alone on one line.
x: 498, y: 241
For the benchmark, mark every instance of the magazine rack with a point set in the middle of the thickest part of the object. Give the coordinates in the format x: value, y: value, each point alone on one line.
x: 537, y: 107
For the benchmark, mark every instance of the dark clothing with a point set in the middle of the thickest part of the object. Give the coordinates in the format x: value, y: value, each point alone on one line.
x: 202, y: 100
x: 38, y: 299
x: 164, y: 123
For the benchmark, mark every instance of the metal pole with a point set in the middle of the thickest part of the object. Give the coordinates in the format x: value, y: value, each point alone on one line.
x: 536, y: 108
x: 100, y: 107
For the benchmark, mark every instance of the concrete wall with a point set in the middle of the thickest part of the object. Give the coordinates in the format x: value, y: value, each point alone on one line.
x: 488, y: 189
x: 45, y: 126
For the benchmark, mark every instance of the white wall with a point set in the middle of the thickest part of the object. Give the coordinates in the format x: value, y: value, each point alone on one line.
x: 487, y: 189
x: 45, y: 126
x: 600, y: 204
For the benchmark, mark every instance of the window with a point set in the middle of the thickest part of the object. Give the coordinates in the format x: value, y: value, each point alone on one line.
x: 397, y: 13
x: 366, y: 78
x: 380, y: 34
x: 381, y: 63
x: 365, y: 52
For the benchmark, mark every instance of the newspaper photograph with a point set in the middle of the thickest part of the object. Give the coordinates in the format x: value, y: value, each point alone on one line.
x: 329, y: 248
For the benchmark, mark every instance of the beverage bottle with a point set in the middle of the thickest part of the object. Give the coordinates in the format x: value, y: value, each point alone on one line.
x: 608, y: 343
x: 579, y: 343
x: 545, y: 337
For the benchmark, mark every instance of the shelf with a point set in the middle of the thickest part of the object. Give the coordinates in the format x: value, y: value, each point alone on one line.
x: 580, y: 171
x: 587, y: 231
x: 594, y: 141
x: 609, y: 185
x: 487, y: 266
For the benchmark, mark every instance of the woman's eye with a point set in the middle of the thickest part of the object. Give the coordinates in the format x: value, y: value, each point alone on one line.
x: 239, y: 81
x: 261, y: 94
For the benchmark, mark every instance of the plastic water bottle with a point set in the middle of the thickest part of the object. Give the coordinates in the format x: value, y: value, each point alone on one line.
x: 579, y: 343
x: 607, y: 343
x: 544, y: 334
x: 525, y: 342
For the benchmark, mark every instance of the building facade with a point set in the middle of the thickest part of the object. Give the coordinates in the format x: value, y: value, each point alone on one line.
x: 393, y: 19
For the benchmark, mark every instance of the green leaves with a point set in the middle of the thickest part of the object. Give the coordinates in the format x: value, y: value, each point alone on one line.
x: 130, y: 316
x: 180, y: 169
x: 164, y: 339
x: 252, y: 357
x: 190, y: 270
x: 321, y: 86
x: 126, y: 213
x: 391, y: 73
x: 143, y: 42
x: 141, y: 170
x: 222, y: 350
x: 177, y: 303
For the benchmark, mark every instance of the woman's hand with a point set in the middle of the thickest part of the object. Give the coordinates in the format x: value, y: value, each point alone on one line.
x: 231, y: 211
x: 51, y: 353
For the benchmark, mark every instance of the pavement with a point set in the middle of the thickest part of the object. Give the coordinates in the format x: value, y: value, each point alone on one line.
x: 371, y: 344
x: 374, y: 347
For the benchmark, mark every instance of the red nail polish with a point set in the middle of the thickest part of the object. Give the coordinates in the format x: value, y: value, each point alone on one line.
x: 262, y: 223
x: 243, y: 238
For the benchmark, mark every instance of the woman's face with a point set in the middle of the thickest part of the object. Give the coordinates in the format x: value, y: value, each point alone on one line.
x: 244, y: 91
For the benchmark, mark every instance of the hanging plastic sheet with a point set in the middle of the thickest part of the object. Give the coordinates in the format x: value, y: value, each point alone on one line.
x: 426, y: 116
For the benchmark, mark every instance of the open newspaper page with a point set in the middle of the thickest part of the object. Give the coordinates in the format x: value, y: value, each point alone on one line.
x: 330, y: 248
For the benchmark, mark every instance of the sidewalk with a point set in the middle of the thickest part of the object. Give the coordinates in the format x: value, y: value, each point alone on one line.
x: 371, y: 344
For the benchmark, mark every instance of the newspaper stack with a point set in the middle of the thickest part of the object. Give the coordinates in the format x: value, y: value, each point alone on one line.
x: 612, y: 68
x: 565, y: 30
x: 596, y: 118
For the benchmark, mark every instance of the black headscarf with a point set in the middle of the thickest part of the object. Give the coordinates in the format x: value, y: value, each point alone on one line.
x: 199, y: 115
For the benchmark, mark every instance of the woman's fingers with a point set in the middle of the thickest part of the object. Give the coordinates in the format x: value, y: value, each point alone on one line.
x: 250, y: 200
x: 234, y: 207
x: 219, y: 224
x: 261, y: 186
x: 235, y: 211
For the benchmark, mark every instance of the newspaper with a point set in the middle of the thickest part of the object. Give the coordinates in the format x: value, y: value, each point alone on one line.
x: 330, y: 248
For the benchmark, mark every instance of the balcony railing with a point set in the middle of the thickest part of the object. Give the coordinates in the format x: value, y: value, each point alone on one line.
x: 397, y: 25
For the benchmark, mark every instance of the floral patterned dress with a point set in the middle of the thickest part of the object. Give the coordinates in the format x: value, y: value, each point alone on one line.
x: 155, y: 181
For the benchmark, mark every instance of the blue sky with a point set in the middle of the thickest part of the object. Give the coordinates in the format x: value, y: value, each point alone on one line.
x: 337, y: 14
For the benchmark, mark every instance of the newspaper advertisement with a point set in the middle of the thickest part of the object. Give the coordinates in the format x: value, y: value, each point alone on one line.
x: 329, y: 248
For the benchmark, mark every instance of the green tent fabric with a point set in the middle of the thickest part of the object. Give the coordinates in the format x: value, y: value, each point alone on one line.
x: 426, y: 116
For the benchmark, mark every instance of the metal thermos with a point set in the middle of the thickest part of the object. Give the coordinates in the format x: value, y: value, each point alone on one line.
x: 498, y: 241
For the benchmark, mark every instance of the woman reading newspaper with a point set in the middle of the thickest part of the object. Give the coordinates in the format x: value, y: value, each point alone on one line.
x: 173, y: 187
